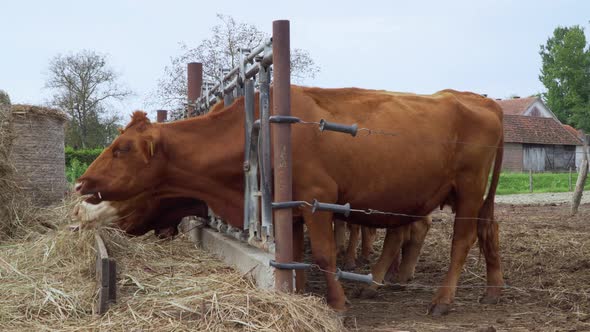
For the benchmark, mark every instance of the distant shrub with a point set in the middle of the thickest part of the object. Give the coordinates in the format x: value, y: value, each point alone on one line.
x: 83, y: 156
x: 75, y: 170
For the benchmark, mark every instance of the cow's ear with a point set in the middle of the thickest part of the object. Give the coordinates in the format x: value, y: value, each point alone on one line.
x: 148, y: 149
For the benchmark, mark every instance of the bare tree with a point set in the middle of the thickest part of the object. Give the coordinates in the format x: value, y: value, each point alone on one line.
x: 84, y: 84
x: 221, y: 50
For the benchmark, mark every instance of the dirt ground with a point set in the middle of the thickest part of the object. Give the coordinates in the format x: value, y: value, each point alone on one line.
x: 546, y: 261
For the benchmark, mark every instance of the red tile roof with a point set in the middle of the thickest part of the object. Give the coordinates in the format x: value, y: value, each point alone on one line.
x: 516, y: 106
x: 536, y: 130
x: 572, y: 130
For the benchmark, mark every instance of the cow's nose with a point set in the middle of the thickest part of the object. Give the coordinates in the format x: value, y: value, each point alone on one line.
x: 78, y: 186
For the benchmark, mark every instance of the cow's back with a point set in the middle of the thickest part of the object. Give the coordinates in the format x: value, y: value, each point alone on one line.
x: 410, y: 160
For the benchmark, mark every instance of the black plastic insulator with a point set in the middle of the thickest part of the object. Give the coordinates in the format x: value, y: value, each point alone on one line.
x: 366, y: 278
x: 283, y: 119
x: 336, y: 208
x: 289, y: 266
x: 342, y: 128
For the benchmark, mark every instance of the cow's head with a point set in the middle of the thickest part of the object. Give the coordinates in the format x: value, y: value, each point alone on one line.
x: 133, y: 163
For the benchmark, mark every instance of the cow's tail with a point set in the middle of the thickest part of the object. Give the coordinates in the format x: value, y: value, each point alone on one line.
x: 487, y: 228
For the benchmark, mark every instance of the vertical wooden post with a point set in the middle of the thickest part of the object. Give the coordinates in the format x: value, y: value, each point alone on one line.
x: 577, y: 197
x: 281, y: 137
x: 530, y: 180
x: 569, y: 180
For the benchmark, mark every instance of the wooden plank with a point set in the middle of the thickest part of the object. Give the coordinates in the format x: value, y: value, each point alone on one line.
x: 106, y: 277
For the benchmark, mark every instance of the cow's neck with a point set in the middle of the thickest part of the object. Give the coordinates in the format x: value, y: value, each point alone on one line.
x: 205, y: 161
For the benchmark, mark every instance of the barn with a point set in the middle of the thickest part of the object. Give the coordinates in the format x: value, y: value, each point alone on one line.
x: 534, y: 139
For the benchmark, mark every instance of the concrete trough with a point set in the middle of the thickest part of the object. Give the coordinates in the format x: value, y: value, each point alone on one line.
x: 246, y: 259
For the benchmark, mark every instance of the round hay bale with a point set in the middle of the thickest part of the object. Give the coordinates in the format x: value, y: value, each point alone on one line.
x: 38, y: 152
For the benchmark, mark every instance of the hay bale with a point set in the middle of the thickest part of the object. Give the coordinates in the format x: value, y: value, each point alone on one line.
x: 38, y: 152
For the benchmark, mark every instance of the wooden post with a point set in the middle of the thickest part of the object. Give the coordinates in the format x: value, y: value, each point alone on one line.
x: 577, y: 197
x: 530, y: 180
x: 106, y: 276
x: 569, y: 180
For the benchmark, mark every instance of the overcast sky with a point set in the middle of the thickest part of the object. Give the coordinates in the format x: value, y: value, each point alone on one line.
x: 415, y: 46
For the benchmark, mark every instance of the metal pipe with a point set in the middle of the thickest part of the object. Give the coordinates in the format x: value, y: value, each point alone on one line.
x: 251, y: 210
x: 162, y: 115
x: 265, y: 154
x: 194, y: 78
x: 282, y: 152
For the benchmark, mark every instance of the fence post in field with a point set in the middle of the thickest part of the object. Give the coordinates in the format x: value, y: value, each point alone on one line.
x: 569, y: 180
x: 194, y: 80
x: 577, y: 197
x: 281, y: 139
x: 530, y: 180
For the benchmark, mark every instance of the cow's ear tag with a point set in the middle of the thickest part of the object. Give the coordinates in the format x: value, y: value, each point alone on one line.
x: 151, y: 148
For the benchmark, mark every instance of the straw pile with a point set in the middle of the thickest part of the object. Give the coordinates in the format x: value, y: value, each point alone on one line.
x: 48, y: 284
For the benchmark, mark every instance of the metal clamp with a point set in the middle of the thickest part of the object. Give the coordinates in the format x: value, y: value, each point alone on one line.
x: 336, y: 208
x: 287, y: 205
x: 342, y: 128
x: 283, y: 119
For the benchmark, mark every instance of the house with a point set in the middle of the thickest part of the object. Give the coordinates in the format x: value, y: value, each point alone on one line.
x: 534, y: 139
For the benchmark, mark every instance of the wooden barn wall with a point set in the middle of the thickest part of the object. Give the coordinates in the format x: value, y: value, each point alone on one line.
x: 548, y: 158
x: 512, y: 160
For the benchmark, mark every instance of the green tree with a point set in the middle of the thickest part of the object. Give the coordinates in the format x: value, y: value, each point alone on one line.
x: 566, y: 75
x: 4, y: 98
x: 84, y: 84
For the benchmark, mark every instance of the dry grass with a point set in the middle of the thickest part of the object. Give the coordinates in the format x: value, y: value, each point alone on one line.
x: 48, y: 285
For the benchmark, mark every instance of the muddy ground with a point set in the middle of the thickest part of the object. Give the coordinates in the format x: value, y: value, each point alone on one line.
x: 546, y: 260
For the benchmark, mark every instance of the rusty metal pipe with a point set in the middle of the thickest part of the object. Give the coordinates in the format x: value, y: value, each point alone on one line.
x: 162, y: 115
x: 281, y: 139
x: 194, y: 79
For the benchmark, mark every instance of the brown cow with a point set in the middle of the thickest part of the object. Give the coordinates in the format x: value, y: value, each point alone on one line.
x: 140, y: 214
x: 441, y: 151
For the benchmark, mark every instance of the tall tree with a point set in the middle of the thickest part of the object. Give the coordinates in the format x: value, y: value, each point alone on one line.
x: 566, y: 75
x: 4, y: 98
x: 84, y: 84
x: 219, y: 51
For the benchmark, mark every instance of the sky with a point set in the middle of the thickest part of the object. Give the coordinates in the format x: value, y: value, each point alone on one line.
x: 484, y: 46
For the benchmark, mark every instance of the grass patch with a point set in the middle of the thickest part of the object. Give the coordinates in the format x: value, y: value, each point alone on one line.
x: 518, y: 183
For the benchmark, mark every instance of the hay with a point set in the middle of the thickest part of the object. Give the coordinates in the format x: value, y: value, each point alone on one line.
x: 48, y: 284
x: 14, y: 207
x: 36, y: 111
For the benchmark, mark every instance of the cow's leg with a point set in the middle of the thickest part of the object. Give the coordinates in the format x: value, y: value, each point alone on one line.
x: 368, y: 236
x: 391, y: 249
x: 489, y: 243
x: 411, y: 250
x: 353, y: 240
x: 340, y: 236
x: 323, y: 248
x: 464, y: 235
x: 298, y: 252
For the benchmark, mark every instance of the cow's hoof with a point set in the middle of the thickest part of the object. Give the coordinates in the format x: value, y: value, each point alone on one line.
x: 439, y: 309
x: 367, y: 293
x: 349, y: 265
x: 489, y: 299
